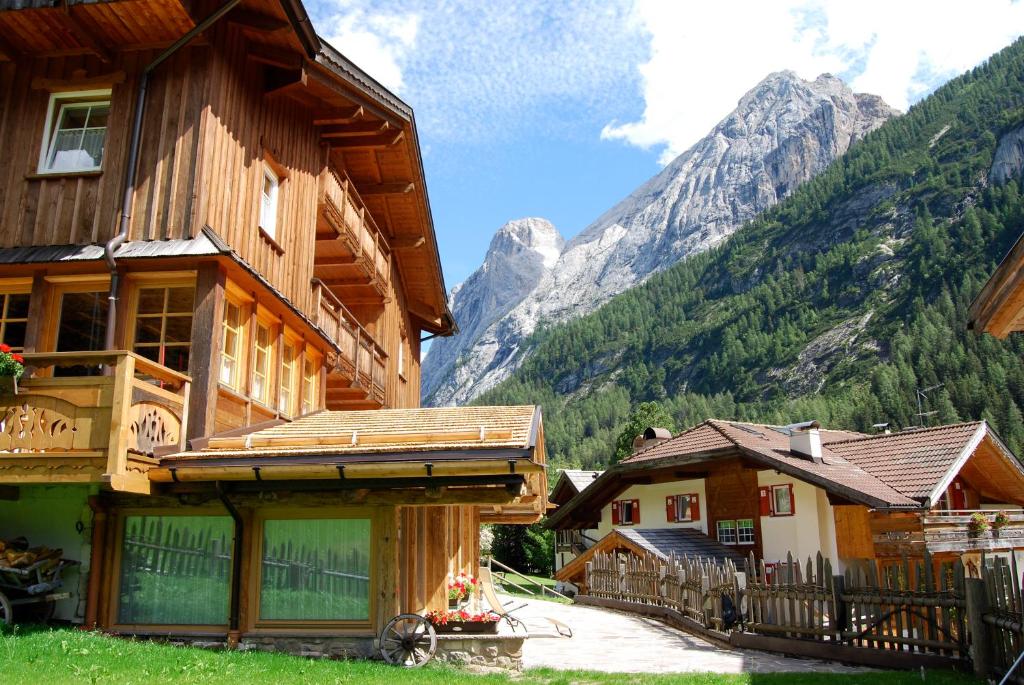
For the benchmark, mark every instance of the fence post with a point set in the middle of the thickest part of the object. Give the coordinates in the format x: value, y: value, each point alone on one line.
x: 588, y: 576
x: 661, y: 584
x: 838, y: 619
x: 981, y: 644
x: 622, y: 579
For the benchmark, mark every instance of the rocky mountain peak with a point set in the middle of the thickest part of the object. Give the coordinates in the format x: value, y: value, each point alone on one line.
x: 782, y: 132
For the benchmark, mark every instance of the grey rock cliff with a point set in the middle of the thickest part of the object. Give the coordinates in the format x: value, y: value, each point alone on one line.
x: 520, y: 255
x: 1009, y: 157
x: 782, y: 133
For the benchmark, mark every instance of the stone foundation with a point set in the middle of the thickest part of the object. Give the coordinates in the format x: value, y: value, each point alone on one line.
x: 481, y: 651
x: 489, y: 651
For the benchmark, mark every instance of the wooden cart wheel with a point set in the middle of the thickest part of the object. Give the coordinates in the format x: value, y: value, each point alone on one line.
x: 408, y: 640
x: 6, y: 611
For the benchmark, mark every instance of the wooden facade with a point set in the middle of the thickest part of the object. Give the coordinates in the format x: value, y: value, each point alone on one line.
x: 279, y: 262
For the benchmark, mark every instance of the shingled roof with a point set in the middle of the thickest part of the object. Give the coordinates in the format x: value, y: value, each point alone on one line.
x: 905, y: 470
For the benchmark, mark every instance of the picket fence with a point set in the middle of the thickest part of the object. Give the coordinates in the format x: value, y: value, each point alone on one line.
x: 912, y: 607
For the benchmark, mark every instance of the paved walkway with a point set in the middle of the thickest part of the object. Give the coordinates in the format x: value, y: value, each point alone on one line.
x: 610, y: 641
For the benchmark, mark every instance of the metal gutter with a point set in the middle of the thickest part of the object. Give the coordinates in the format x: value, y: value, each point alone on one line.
x: 236, y: 566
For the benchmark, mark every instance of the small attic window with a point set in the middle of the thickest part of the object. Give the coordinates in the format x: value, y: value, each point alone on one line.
x: 268, y: 201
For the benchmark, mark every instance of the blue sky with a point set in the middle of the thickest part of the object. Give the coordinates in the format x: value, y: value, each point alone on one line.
x: 560, y: 109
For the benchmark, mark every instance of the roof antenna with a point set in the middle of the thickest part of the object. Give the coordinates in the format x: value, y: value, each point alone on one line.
x: 922, y: 394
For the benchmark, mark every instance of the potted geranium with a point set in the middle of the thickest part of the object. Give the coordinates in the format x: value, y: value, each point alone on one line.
x: 462, y: 621
x: 459, y: 588
x: 977, y: 525
x: 12, y: 365
x: 999, y: 521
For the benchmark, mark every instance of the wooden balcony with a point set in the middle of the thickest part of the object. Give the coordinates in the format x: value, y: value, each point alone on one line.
x: 108, y: 428
x: 352, y: 257
x: 947, y: 531
x: 358, y: 376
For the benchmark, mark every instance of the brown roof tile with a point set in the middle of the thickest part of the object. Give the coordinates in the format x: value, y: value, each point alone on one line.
x: 701, y: 438
x: 912, y: 462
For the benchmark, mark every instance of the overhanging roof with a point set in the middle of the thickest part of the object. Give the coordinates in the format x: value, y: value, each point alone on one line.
x: 999, y: 307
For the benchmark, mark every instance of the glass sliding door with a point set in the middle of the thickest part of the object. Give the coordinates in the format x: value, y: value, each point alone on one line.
x: 82, y: 327
x: 315, y: 570
x: 175, y: 570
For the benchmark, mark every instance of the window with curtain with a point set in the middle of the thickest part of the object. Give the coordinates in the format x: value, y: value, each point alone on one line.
x: 14, y: 319
x: 262, y: 363
x: 315, y: 570
x: 310, y: 384
x: 163, y: 325
x: 230, y: 360
x: 175, y: 570
x: 77, y: 131
x: 289, y: 378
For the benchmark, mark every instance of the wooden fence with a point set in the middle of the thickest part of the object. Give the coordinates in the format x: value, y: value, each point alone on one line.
x: 911, y: 608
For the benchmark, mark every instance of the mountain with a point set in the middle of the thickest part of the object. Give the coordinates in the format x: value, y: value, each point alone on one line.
x: 521, y: 253
x: 837, y: 304
x: 782, y: 133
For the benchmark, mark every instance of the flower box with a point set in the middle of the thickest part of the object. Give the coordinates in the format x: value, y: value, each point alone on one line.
x: 468, y: 628
x: 448, y: 622
x: 8, y: 385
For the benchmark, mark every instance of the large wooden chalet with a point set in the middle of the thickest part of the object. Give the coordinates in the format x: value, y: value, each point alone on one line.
x: 727, y: 489
x: 218, y: 260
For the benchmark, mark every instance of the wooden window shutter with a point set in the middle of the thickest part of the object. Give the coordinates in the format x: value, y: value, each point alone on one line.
x: 695, y: 507
x: 959, y: 498
x: 636, y: 511
x: 765, y: 497
x: 670, y: 509
x: 615, y: 513
x: 792, y: 500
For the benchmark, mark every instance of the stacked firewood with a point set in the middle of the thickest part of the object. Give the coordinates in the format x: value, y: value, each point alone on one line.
x: 17, y: 554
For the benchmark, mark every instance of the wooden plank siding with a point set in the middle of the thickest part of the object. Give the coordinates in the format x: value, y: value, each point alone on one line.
x: 732, y: 493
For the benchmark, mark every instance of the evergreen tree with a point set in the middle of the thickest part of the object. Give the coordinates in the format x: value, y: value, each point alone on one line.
x: 646, y: 415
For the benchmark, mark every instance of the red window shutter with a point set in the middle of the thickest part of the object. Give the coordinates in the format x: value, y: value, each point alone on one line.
x: 765, y: 501
x: 959, y: 498
x: 695, y: 507
x: 615, y: 513
x: 670, y: 509
x: 792, y: 500
x: 636, y: 511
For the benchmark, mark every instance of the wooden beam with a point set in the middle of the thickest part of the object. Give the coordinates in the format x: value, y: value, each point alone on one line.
x: 274, y: 57
x: 370, y: 142
x: 392, y: 188
x: 359, y: 128
x: 85, y: 36
x: 297, y: 83
x: 346, y: 282
x: 204, y: 361
x: 342, y: 116
x: 340, y: 260
x: 256, y: 21
x: 8, y: 49
x: 58, y: 85
x: 410, y: 243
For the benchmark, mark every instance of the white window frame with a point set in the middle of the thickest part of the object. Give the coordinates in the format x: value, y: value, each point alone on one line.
x: 683, y: 514
x: 622, y: 513
x: 268, y: 204
x: 730, y: 526
x: 775, y: 502
x: 741, y: 538
x: 81, y: 98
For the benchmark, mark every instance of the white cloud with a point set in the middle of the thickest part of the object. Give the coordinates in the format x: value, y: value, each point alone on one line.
x: 704, y: 56
x: 378, y: 42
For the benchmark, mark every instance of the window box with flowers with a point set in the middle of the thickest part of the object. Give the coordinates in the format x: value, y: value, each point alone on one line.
x: 460, y: 588
x: 462, y: 621
x: 12, y: 365
x: 977, y: 524
x: 999, y: 521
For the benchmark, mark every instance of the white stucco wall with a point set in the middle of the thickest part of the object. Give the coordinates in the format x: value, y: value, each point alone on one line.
x: 46, y: 515
x: 652, y: 506
x: 810, y: 530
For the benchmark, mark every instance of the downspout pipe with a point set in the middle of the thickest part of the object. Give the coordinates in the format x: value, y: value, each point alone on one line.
x: 236, y: 565
x: 128, y: 197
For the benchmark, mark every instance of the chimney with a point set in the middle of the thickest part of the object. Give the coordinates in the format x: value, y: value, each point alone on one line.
x: 882, y: 428
x: 805, y: 440
x: 650, y: 436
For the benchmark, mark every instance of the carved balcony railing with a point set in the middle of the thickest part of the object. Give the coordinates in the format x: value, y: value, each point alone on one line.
x: 108, y: 428
x: 361, y: 361
x: 352, y: 255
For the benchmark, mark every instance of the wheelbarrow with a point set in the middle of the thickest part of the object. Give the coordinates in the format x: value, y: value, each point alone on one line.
x: 33, y: 585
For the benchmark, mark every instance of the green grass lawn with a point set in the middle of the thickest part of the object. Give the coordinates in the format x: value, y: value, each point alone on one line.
x: 54, y: 657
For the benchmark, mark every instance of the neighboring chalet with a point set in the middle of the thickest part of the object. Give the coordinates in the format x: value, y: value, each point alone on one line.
x: 999, y: 307
x: 571, y: 542
x: 728, y: 489
x: 219, y: 263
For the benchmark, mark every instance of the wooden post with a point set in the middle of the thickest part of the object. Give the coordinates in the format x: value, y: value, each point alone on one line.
x: 981, y: 643
x: 117, y: 444
x: 622, y: 578
x: 839, y: 609
x: 204, y: 359
x: 588, y: 577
